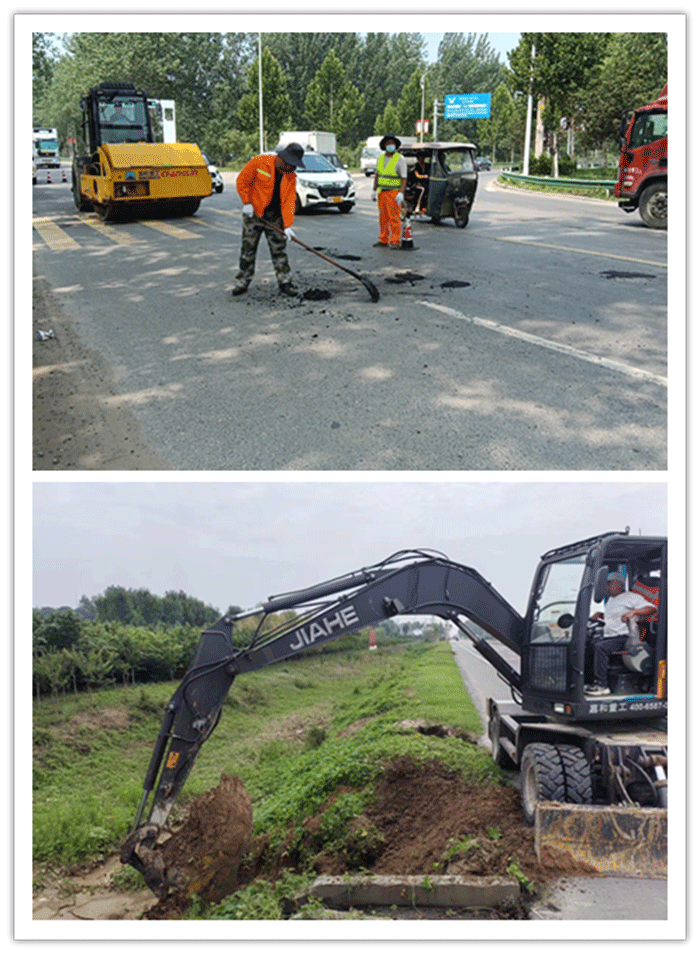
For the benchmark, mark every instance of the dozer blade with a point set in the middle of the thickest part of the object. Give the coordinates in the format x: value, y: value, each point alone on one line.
x: 615, y: 840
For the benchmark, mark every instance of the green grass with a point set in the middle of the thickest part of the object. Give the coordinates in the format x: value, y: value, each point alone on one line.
x: 293, y: 732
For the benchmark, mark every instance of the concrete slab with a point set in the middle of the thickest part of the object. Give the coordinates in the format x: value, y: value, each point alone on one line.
x: 445, y: 891
x: 603, y: 899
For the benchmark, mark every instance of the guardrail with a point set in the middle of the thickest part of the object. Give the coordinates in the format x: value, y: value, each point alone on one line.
x: 563, y: 181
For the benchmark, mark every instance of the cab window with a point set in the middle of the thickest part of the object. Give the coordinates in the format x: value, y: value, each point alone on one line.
x: 458, y: 160
x: 557, y: 593
x: 648, y: 127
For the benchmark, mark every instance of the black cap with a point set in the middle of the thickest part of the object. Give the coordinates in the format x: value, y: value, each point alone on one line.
x: 292, y: 153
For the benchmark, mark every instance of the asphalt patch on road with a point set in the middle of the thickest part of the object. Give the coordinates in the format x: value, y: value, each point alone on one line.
x: 615, y: 274
x: 402, y: 278
x: 345, y: 258
x: 455, y: 284
x: 316, y: 294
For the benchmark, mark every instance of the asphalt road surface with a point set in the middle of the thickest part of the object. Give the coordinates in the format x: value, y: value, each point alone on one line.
x: 534, y: 339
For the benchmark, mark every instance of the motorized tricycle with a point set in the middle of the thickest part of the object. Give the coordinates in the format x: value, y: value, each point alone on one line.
x: 442, y: 180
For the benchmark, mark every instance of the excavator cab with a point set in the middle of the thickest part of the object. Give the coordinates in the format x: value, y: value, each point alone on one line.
x: 568, y: 590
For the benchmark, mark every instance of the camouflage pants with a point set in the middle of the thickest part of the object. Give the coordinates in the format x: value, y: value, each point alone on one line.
x: 252, y: 230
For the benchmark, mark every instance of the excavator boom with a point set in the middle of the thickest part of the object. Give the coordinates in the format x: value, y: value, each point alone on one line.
x: 409, y: 583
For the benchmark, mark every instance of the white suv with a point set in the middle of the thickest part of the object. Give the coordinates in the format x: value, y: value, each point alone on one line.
x: 319, y: 183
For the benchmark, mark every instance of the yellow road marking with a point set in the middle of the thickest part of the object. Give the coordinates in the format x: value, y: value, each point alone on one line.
x: 168, y: 228
x: 581, y: 251
x: 109, y: 231
x: 54, y: 236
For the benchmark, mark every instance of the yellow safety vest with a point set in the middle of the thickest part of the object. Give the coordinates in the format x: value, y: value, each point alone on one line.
x: 387, y: 177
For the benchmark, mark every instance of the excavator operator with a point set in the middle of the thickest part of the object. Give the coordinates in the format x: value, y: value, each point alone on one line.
x: 620, y: 607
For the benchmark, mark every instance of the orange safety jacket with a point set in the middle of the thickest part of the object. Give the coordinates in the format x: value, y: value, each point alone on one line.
x: 256, y: 182
x: 650, y: 593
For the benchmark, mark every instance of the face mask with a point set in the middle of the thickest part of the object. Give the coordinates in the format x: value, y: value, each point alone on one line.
x: 391, y: 148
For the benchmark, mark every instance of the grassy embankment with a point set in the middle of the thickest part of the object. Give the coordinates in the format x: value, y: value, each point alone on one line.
x: 280, y: 731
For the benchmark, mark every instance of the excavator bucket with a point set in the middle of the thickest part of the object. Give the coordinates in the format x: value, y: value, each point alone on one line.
x: 615, y: 840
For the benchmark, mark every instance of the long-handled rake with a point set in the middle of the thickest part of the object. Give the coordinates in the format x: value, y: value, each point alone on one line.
x: 370, y: 286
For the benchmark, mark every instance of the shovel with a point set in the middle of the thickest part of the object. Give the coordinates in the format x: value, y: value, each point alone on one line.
x: 371, y: 288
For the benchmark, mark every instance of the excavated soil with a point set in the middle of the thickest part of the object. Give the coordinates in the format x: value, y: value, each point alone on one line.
x: 424, y: 821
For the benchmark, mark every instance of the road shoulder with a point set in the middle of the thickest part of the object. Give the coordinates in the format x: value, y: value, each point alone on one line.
x: 80, y: 421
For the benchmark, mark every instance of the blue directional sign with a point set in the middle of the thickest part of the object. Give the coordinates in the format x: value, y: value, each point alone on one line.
x: 468, y: 106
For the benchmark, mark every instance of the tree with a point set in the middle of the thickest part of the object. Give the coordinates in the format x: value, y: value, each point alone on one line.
x: 276, y: 103
x: 203, y: 72
x: 409, y: 104
x: 496, y: 132
x: 563, y: 63
x: 631, y: 73
x: 387, y: 121
x: 467, y: 63
x: 332, y: 102
x: 44, y: 57
x: 60, y: 630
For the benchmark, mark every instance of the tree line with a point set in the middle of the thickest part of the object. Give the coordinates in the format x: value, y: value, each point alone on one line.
x: 128, y: 636
x: 358, y: 85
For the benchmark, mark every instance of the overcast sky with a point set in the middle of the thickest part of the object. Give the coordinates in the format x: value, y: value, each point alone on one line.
x: 238, y: 543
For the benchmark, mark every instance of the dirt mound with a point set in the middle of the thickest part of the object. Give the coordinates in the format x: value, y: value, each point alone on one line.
x: 434, y: 822
x: 204, y: 855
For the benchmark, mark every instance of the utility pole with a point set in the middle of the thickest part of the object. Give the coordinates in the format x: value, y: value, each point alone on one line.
x: 260, y: 91
x: 528, y: 120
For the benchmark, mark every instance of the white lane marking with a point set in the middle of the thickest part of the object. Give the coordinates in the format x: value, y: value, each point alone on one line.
x: 582, y: 251
x: 568, y: 350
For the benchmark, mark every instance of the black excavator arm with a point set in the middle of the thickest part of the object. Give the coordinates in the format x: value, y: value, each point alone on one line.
x: 408, y: 583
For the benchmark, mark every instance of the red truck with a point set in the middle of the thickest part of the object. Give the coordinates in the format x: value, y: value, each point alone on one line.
x: 643, y: 162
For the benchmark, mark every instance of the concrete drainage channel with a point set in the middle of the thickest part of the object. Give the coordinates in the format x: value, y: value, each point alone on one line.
x: 440, y: 891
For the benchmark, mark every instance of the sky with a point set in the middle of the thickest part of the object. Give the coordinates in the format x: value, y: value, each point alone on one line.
x: 237, y: 543
x: 501, y: 43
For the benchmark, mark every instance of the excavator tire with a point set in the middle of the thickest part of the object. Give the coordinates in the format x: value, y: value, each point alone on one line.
x: 553, y: 773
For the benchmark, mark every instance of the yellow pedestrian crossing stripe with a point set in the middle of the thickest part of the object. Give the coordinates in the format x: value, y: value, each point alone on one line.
x: 120, y: 236
x: 58, y: 240
x: 169, y: 228
x: 54, y: 236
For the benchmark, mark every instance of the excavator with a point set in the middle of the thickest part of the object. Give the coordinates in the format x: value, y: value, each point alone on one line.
x: 121, y: 169
x: 597, y: 764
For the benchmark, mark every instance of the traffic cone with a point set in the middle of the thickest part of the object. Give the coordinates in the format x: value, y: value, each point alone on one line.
x: 48, y: 178
x: 407, y: 233
x: 63, y: 173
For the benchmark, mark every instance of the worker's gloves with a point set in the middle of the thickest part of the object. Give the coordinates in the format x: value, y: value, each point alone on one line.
x: 247, y: 209
x: 374, y: 196
x: 399, y: 198
x: 289, y: 234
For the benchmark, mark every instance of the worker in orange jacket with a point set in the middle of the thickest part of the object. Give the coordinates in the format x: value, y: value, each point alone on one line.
x: 267, y: 187
x: 388, y: 190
